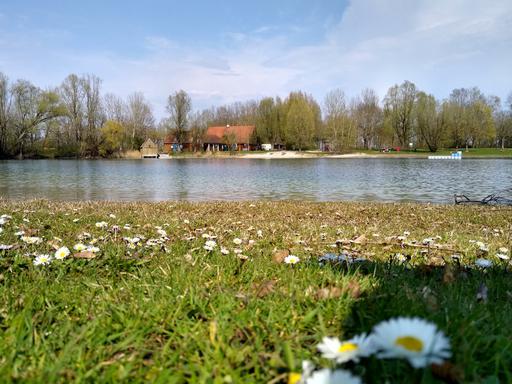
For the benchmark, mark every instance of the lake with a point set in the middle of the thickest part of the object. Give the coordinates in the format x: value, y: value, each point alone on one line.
x: 248, y: 179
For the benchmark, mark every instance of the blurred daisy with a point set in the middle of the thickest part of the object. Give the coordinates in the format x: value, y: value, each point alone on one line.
x: 482, y: 246
x: 79, y: 247
x: 428, y: 241
x: 93, y: 249
x: 503, y: 256
x: 161, y: 232
x: 101, y: 224
x: 237, y: 251
x: 31, y: 239
x: 259, y: 233
x: 42, y: 260
x: 300, y: 378
x: 62, y: 253
x: 291, y: 259
x: 414, y: 339
x: 338, y: 376
x: 210, y: 245
x: 237, y: 241
x: 224, y: 251
x: 343, y: 351
x: 76, y: 220
x: 19, y: 233
x: 503, y: 250
x: 483, y: 263
x: 112, y: 216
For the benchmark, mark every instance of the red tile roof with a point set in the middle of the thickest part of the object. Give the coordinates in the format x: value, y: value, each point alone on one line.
x: 243, y: 133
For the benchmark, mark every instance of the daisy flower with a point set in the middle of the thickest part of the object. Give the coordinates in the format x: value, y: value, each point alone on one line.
x: 300, y: 378
x: 31, y: 239
x: 4, y: 247
x: 414, y: 339
x: 76, y: 220
x: 503, y: 250
x: 112, y: 216
x: 79, y: 247
x: 161, y: 232
x: 93, y: 249
x: 42, y: 260
x: 338, y: 376
x: 483, y: 263
x: 101, y: 224
x: 343, y: 351
x: 291, y: 259
x: 259, y: 233
x: 503, y: 256
x: 19, y: 233
x: 62, y: 253
x: 210, y: 245
x: 237, y: 241
x: 224, y: 251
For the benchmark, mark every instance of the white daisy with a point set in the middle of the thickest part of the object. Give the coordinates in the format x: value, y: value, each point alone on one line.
x: 291, y: 259
x: 31, y: 239
x: 42, y: 260
x: 483, y: 263
x: 19, y: 233
x: 4, y: 247
x: 79, y: 247
x: 224, y: 251
x: 76, y: 220
x: 503, y: 250
x: 112, y: 216
x: 428, y: 241
x: 343, y: 351
x: 414, y: 339
x: 237, y: 241
x: 93, y: 249
x: 237, y: 251
x: 300, y: 378
x: 259, y: 233
x: 338, y: 376
x: 503, y: 256
x: 62, y: 253
x: 161, y: 232
x: 210, y: 245
x: 186, y: 221
x: 482, y: 246
x: 102, y: 224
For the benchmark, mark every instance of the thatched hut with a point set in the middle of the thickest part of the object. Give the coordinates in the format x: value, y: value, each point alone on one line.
x: 149, y: 149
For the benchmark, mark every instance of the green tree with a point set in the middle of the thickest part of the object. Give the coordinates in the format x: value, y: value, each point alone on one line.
x: 430, y: 120
x: 300, y: 122
x: 112, y: 135
x: 398, y: 109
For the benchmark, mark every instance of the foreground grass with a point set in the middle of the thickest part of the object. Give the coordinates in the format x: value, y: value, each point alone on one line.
x: 177, y: 313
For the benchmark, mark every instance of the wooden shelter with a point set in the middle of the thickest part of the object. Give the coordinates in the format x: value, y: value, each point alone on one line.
x: 149, y: 149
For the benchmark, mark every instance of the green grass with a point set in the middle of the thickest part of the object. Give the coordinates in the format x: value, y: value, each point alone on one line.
x: 424, y: 152
x: 180, y: 314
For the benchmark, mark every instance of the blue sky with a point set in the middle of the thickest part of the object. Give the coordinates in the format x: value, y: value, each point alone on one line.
x: 224, y: 51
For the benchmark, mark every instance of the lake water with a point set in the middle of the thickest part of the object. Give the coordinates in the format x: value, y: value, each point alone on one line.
x: 248, y: 179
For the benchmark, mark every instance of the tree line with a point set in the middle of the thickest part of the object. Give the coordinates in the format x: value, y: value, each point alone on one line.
x: 75, y: 119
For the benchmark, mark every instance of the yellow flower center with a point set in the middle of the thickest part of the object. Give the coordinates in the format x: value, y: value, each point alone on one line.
x: 347, y: 347
x: 410, y: 343
x: 294, y: 378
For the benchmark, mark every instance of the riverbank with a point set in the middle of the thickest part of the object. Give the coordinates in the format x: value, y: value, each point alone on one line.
x: 198, y: 292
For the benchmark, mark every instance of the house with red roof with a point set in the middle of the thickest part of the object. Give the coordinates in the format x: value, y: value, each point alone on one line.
x: 236, y: 137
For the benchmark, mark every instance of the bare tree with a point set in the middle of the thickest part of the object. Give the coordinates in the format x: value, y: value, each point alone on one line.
x: 179, y: 106
x: 368, y: 115
x: 139, y: 119
x: 4, y: 113
x: 339, y: 127
x: 73, y: 96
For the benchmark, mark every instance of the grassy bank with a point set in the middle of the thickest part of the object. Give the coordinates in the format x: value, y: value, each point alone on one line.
x: 174, y: 312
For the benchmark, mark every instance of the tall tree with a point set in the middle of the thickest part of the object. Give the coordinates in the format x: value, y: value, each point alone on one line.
x: 398, y: 107
x: 73, y: 98
x: 430, y: 120
x: 31, y: 107
x: 139, y: 119
x: 300, y: 122
x: 94, y: 116
x: 339, y: 126
x: 368, y: 115
x: 179, y: 106
x: 4, y: 113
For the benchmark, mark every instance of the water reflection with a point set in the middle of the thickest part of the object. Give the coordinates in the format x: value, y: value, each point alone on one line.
x: 242, y: 179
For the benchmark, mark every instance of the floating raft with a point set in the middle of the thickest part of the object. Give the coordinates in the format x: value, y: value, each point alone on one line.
x: 454, y: 156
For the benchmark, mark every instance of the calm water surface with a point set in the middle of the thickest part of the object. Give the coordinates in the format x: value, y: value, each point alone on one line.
x: 246, y: 179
